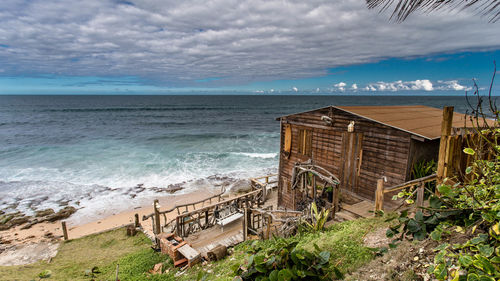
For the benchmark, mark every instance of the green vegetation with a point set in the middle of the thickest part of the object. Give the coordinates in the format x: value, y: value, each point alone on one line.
x: 77, y: 256
x: 469, y: 208
x: 318, y: 220
x: 96, y: 256
x: 285, y: 261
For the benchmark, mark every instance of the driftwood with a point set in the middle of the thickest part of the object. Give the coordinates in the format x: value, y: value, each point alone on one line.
x: 217, y: 253
x: 320, y: 172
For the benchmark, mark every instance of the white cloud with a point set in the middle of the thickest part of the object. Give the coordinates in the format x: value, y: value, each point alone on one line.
x: 295, y: 89
x: 452, y: 85
x: 354, y: 87
x: 422, y: 85
x: 179, y: 42
x: 340, y: 86
x: 425, y: 85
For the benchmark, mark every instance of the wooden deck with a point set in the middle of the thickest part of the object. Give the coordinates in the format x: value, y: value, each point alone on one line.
x: 230, y: 235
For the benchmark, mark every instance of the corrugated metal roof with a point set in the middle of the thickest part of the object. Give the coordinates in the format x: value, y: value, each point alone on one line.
x: 419, y: 120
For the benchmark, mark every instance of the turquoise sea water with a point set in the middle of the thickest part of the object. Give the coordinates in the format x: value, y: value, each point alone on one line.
x: 92, y: 151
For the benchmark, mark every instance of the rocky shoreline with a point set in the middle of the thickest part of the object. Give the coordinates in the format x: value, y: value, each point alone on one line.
x: 10, y: 220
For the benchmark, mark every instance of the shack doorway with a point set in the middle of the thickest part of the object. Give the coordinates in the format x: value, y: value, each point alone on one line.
x: 352, y: 156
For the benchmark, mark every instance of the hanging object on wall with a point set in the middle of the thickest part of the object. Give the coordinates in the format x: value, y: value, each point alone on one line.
x: 350, y: 127
x: 327, y: 120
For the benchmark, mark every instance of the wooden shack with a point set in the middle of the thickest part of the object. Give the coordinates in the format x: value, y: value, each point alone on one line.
x: 359, y: 145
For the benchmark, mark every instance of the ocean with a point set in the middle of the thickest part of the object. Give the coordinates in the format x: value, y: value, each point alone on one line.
x: 92, y: 152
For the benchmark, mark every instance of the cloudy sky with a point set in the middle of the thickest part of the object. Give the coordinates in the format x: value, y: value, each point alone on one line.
x: 268, y: 46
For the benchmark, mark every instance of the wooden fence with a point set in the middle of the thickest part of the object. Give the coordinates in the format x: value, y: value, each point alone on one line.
x: 452, y: 161
x: 157, y: 214
x: 197, y: 220
x: 265, y: 183
x: 415, y: 186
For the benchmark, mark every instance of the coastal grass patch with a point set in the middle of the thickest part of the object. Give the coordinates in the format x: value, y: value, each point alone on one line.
x: 76, y: 256
x: 343, y: 240
x: 135, y: 257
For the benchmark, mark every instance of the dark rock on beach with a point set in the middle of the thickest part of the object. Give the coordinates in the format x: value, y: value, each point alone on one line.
x: 44, y: 213
x: 62, y: 214
x: 8, y: 221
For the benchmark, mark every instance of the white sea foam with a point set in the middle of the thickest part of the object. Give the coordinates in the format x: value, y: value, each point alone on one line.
x: 257, y: 155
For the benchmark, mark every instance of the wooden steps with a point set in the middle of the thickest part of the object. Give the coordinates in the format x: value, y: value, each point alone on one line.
x: 181, y: 262
x: 352, y: 212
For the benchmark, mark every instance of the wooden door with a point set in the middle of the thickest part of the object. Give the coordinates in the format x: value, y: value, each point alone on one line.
x: 352, y: 156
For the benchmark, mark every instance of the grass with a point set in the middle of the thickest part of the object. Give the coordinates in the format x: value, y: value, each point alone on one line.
x: 76, y: 256
x: 135, y: 257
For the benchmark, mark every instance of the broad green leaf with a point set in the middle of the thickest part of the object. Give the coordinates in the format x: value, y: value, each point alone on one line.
x: 274, y: 275
x: 413, y: 226
x: 45, y: 274
x: 486, y: 278
x: 486, y: 250
x: 442, y: 247
x: 325, y: 256
x: 285, y: 275
x: 436, y: 234
x: 483, y: 264
x: 419, y: 216
x: 465, y: 260
x: 440, y: 272
x: 468, y: 170
x: 469, y: 151
x: 472, y: 277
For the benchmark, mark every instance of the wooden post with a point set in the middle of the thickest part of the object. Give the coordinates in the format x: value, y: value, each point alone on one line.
x: 379, y: 195
x: 420, y: 195
x: 157, y: 217
x: 245, y: 224
x: 446, y: 124
x: 65, y: 230
x: 116, y: 275
x: 268, y: 229
x: 136, y: 223
x: 178, y: 226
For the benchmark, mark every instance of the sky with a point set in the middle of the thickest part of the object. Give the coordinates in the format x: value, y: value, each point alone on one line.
x: 229, y: 46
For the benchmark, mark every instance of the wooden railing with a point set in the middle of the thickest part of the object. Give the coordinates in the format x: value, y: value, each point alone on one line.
x: 266, y: 221
x: 419, y: 183
x: 265, y: 183
x: 155, y: 216
x: 197, y: 220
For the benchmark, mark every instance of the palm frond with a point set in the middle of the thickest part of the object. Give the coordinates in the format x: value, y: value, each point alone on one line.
x: 404, y: 8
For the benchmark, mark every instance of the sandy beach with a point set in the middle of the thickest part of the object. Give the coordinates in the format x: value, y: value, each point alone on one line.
x: 52, y: 232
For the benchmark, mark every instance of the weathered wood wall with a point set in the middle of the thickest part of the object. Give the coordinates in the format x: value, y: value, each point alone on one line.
x: 385, y: 151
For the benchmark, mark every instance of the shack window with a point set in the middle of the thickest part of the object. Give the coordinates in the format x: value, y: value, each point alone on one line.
x: 288, y: 138
x: 305, y: 142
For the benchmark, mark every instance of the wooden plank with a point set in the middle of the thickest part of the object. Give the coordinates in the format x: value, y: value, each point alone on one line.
x: 379, y: 195
x: 361, y: 209
x: 446, y: 124
x: 188, y: 252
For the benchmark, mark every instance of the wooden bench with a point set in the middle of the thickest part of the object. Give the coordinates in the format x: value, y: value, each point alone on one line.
x: 227, y: 215
x: 228, y: 220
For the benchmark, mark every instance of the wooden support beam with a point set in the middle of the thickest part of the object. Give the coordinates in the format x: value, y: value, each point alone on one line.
x: 420, y: 195
x: 65, y: 230
x: 157, y: 217
x: 379, y: 195
x: 245, y: 224
x: 446, y: 125
x: 136, y: 223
